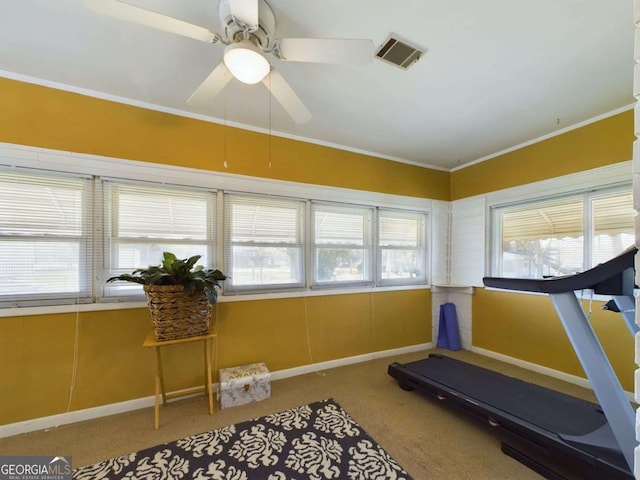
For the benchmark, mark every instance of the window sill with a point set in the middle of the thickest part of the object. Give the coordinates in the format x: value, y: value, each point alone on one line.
x: 457, y: 288
x: 103, y: 306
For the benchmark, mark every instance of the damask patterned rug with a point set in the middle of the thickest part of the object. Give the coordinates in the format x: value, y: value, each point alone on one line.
x: 317, y: 441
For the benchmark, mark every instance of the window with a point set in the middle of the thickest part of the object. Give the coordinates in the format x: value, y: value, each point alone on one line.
x: 562, y: 236
x: 342, y: 252
x: 264, y: 243
x: 64, y: 233
x: 143, y: 221
x: 401, y: 247
x: 45, y: 238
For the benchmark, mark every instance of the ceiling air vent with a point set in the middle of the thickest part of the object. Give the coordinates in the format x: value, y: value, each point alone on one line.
x: 399, y: 53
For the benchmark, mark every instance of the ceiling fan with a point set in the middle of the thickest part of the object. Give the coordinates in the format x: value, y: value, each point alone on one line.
x: 248, y: 33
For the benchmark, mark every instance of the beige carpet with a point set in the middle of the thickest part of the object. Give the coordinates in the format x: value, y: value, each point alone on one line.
x: 429, y: 439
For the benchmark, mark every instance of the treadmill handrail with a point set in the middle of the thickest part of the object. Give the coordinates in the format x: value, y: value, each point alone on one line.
x: 588, y: 279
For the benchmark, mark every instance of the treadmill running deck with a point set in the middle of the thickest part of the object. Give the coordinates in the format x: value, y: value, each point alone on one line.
x: 558, y: 419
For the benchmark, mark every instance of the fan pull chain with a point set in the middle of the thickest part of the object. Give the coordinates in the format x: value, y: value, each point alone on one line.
x: 270, y: 104
x: 226, y: 72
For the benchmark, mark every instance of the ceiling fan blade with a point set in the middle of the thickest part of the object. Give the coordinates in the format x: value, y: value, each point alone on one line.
x: 131, y: 13
x: 245, y: 12
x: 287, y: 97
x: 327, y: 50
x: 211, y: 86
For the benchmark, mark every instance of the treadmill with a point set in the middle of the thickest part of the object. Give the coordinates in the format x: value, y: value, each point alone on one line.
x: 594, y: 440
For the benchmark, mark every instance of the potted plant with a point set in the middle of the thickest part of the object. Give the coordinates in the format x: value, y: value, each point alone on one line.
x: 179, y: 295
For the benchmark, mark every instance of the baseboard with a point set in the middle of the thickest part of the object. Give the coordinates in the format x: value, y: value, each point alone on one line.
x: 341, y: 362
x: 574, y: 379
x: 53, y: 421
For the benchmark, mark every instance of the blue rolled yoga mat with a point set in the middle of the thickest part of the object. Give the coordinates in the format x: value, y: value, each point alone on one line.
x: 448, y: 335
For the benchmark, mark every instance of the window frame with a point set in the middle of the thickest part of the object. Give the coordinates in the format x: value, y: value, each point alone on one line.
x: 85, y: 242
x: 96, y: 168
x: 298, y: 244
x: 421, y: 248
x: 111, y: 237
x: 368, y: 244
x: 587, y: 196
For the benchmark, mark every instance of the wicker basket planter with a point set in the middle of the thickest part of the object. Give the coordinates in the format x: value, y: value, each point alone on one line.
x: 176, y: 313
x: 179, y: 295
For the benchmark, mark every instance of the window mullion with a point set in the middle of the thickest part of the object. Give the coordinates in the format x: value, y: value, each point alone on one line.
x: 376, y: 251
x: 219, y: 232
x: 309, y: 247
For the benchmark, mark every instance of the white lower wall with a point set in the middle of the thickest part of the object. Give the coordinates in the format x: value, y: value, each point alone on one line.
x: 462, y: 298
x: 440, y: 229
x: 468, y: 232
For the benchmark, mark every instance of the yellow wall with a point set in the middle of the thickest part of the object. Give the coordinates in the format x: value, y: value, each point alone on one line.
x: 43, y: 117
x: 527, y: 327
x: 595, y: 145
x: 36, y: 352
x: 339, y: 326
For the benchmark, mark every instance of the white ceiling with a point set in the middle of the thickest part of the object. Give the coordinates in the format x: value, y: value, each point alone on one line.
x: 497, y: 73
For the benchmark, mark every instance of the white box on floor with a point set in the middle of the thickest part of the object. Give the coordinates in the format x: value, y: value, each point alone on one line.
x: 244, y: 384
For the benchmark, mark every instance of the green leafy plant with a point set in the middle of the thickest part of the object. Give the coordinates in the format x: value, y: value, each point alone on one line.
x: 174, y: 271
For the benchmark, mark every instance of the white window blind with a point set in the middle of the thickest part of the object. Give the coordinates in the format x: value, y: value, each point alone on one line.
x: 62, y: 235
x: 401, y: 247
x: 143, y: 221
x: 341, y: 244
x: 45, y: 238
x: 264, y: 243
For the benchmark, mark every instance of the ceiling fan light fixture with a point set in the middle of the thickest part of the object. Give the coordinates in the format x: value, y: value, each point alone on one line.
x: 245, y: 62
